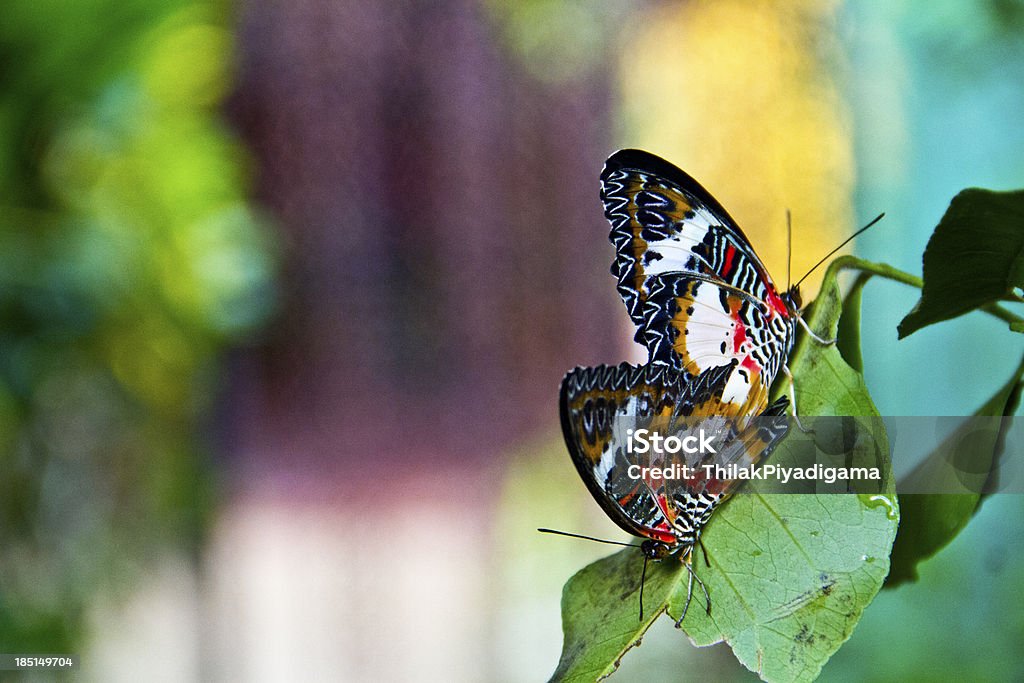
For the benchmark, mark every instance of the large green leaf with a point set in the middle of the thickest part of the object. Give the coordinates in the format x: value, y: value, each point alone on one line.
x: 789, y: 575
x: 974, y: 258
x: 930, y: 521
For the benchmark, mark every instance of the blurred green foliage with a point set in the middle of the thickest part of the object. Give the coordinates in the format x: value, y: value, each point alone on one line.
x: 556, y: 41
x: 129, y: 259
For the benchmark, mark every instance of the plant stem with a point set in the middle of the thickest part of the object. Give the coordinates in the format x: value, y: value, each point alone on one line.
x: 885, y: 270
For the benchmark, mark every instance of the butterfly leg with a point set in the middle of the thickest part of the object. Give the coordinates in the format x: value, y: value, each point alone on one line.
x: 792, y: 401
x: 689, y: 596
x: 689, y: 593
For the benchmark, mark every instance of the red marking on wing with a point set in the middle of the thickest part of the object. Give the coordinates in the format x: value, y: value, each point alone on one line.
x: 776, y: 303
x: 663, y: 504
x: 739, y: 336
x: 666, y: 536
x: 663, y: 533
x: 730, y: 253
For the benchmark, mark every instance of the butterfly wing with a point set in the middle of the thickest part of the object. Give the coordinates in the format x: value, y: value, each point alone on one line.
x: 747, y: 439
x: 599, y: 405
x: 692, y: 284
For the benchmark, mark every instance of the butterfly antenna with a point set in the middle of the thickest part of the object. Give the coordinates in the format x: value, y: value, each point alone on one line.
x: 587, y: 538
x: 841, y: 245
x: 643, y: 577
x: 789, y: 248
x: 643, y: 574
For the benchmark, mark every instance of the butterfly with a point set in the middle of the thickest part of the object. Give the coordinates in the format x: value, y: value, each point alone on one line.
x: 599, y: 405
x: 692, y: 283
x: 717, y: 332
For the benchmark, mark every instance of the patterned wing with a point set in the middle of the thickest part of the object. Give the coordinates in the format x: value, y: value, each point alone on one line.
x: 747, y: 440
x: 692, y: 284
x: 599, y: 405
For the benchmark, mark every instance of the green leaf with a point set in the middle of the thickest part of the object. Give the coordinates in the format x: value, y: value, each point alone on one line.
x: 930, y: 521
x: 974, y: 258
x: 848, y: 333
x: 601, y: 612
x: 789, y: 574
x: 789, y: 577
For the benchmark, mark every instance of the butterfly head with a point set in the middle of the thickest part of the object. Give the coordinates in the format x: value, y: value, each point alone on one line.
x: 655, y: 550
x: 794, y: 302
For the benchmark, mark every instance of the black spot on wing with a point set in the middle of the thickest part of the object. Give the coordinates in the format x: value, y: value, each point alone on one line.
x: 651, y: 256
